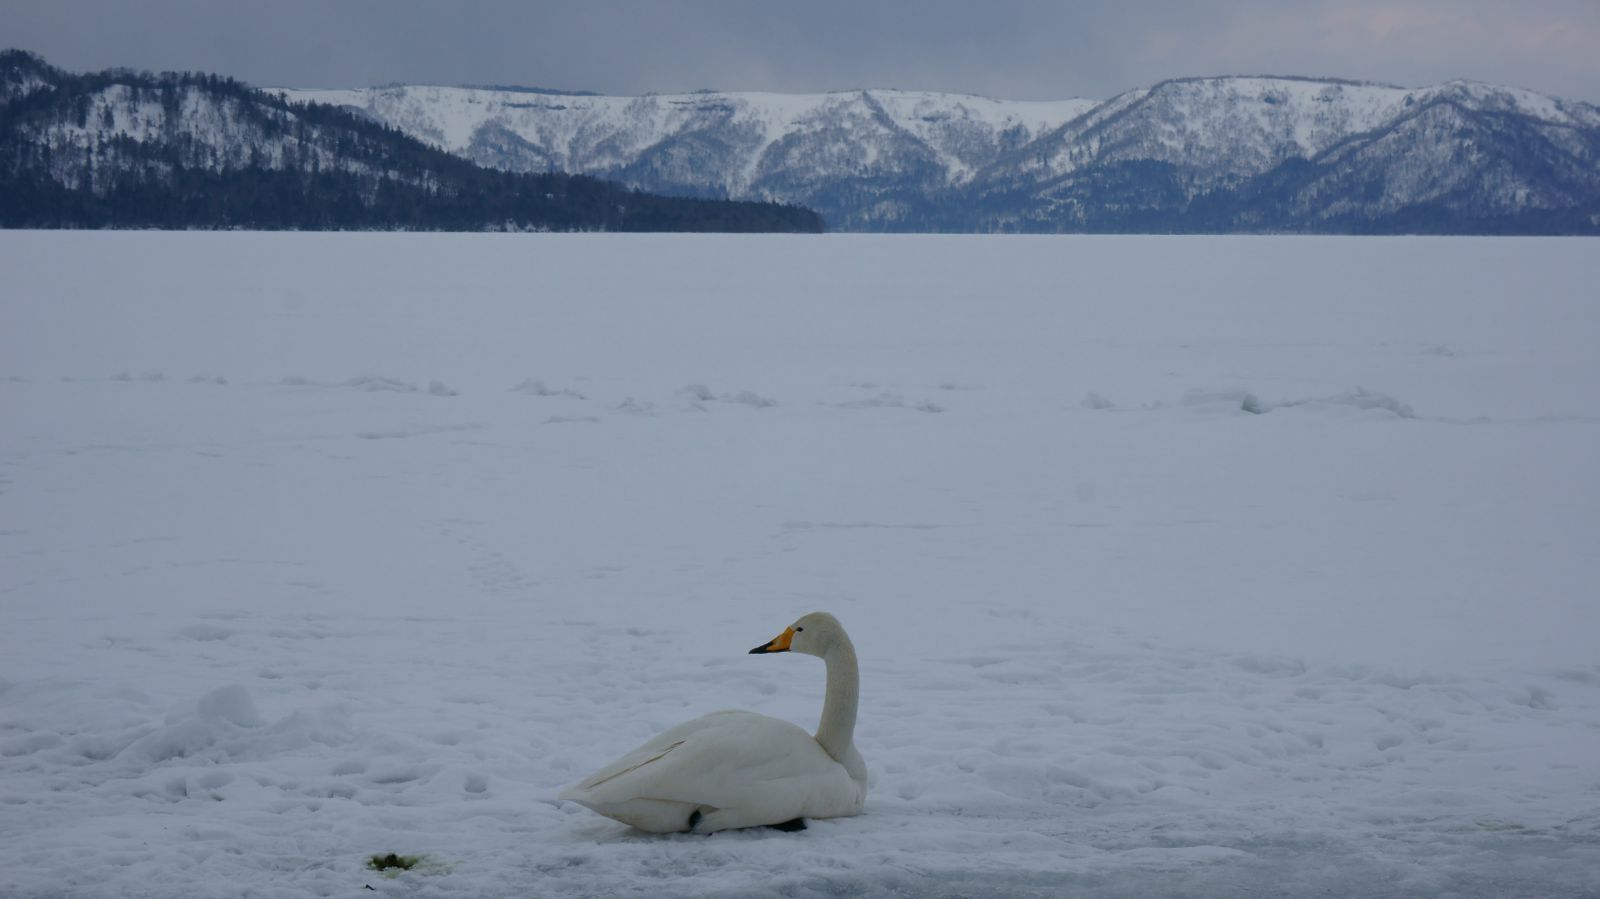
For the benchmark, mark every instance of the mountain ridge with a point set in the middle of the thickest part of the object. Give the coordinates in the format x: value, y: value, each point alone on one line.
x: 1168, y: 157
x: 121, y: 148
x: 1218, y: 154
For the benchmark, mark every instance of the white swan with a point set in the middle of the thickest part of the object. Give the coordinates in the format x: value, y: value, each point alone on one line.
x: 740, y: 769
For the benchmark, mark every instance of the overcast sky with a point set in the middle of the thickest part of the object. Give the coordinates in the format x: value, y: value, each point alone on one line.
x: 1020, y: 49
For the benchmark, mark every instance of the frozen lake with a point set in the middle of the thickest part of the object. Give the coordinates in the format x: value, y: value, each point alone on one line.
x: 1176, y: 566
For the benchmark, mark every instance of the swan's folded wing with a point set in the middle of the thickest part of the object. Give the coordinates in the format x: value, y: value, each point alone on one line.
x: 726, y: 760
x: 653, y: 750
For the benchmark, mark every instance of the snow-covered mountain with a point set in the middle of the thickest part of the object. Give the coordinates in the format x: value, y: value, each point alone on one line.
x: 1206, y: 154
x: 864, y: 158
x: 1300, y: 154
x: 132, y: 149
x: 1191, y: 154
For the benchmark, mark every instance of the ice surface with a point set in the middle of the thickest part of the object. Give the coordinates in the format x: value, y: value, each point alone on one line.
x: 1226, y: 566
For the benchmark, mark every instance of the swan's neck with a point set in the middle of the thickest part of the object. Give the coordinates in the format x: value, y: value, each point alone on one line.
x: 838, y: 727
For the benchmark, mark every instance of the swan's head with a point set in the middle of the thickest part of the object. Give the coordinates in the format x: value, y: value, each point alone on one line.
x: 813, y: 635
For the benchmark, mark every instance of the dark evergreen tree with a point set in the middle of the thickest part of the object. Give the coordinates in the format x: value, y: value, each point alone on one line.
x: 301, y: 166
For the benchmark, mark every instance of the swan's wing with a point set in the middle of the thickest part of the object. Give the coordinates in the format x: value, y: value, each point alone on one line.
x: 651, y: 751
x: 725, y: 760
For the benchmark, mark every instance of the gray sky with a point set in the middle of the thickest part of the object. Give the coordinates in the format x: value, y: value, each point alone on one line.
x: 1021, y: 49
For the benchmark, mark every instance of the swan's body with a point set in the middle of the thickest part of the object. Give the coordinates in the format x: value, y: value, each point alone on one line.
x: 740, y: 769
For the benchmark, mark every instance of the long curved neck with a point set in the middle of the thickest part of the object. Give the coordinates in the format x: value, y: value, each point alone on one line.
x: 837, y: 729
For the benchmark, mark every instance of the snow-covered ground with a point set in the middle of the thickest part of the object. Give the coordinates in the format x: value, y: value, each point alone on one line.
x: 1177, y: 567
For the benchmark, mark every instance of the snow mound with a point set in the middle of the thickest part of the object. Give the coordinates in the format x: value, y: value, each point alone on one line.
x: 1356, y: 399
x: 1237, y: 400
x: 700, y: 393
x: 377, y: 384
x: 888, y: 400
x: 367, y: 384
x: 633, y: 406
x: 1224, y: 401
x: 536, y: 387
x: 219, y: 728
x: 229, y: 705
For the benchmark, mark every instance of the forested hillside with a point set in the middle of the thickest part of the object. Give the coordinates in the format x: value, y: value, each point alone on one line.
x: 134, y: 149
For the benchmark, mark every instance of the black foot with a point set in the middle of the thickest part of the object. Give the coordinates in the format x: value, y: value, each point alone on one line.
x: 694, y: 818
x: 790, y: 826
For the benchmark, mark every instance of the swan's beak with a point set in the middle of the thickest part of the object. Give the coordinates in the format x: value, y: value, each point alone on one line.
x: 779, y: 643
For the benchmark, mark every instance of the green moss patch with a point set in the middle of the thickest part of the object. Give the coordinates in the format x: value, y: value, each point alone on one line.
x: 393, y: 863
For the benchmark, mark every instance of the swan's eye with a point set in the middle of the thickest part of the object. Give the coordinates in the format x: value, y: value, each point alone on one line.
x: 798, y: 629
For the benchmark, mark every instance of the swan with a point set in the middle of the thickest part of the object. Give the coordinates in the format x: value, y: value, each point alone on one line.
x: 735, y: 769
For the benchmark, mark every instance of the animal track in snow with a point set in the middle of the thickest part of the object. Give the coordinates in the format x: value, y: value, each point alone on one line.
x: 488, y: 568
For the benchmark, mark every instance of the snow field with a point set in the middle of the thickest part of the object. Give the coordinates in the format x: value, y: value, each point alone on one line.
x: 1197, y: 567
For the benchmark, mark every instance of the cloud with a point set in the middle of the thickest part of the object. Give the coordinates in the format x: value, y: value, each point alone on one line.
x: 1544, y: 46
x: 1028, y: 49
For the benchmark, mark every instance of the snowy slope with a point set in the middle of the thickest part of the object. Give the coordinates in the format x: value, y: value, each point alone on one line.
x: 223, y: 133
x: 21, y: 74
x: 119, y: 124
x: 125, y: 149
x: 1204, y: 567
x: 1225, y: 127
x: 895, y: 147
x: 898, y: 160
x: 601, y: 135
x: 1224, y: 154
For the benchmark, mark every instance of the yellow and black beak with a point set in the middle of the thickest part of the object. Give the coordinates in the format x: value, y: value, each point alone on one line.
x: 779, y: 643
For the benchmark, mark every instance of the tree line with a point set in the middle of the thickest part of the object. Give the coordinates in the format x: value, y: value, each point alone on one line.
x: 227, y: 155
